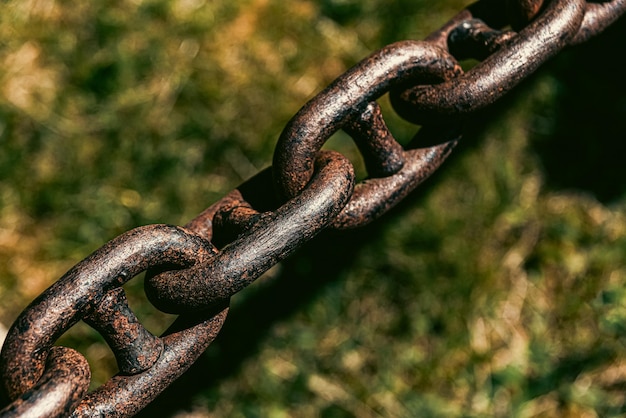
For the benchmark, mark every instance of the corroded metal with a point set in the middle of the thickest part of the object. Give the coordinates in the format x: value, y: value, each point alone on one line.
x: 183, y: 343
x: 475, y: 39
x: 562, y: 23
x: 134, y: 347
x: 273, y: 236
x: 375, y: 196
x: 59, y: 389
x: 498, y: 73
x: 327, y: 112
x: 598, y: 17
x: 32, y: 335
x: 194, y: 270
x: 382, y: 154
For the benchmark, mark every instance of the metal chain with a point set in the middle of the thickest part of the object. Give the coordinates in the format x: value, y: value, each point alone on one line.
x: 194, y: 270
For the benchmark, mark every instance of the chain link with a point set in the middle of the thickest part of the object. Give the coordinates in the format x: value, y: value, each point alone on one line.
x: 194, y: 270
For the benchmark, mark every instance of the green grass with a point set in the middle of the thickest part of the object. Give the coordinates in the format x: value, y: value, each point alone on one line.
x: 497, y: 289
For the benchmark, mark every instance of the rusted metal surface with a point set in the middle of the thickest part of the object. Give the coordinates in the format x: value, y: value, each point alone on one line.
x: 351, y: 93
x: 268, y: 239
x: 564, y: 22
x: 598, y: 16
x: 135, y: 348
x: 59, y: 389
x: 498, y: 73
x: 183, y: 343
x: 194, y: 270
x: 83, y: 288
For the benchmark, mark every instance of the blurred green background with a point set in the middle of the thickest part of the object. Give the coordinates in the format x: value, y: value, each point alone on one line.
x: 497, y: 289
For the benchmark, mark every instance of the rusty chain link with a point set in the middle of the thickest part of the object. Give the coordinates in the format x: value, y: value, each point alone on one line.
x: 194, y: 270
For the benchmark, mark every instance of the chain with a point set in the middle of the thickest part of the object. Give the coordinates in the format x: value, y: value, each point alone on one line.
x: 194, y: 270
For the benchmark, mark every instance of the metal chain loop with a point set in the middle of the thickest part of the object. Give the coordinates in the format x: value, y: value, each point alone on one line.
x: 59, y: 389
x: 346, y: 99
x: 81, y: 291
x: 499, y: 72
x: 269, y: 238
x: 194, y: 270
x: 562, y: 23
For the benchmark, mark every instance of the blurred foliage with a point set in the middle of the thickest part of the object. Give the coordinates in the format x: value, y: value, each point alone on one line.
x: 496, y: 290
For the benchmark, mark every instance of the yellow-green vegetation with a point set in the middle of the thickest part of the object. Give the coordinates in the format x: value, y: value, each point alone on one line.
x: 497, y: 289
